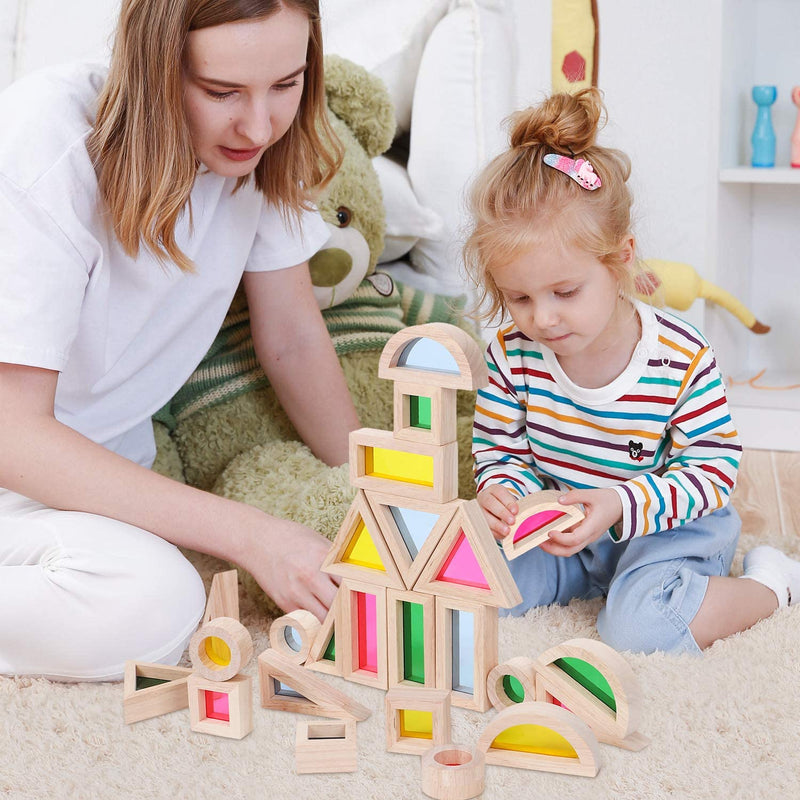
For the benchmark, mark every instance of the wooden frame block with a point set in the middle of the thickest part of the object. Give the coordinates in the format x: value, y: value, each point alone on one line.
x: 417, y: 470
x: 361, y: 639
x: 463, y: 666
x: 411, y: 515
x: 542, y: 737
x: 302, y: 692
x: 294, y: 633
x: 615, y: 718
x: 467, y: 369
x: 220, y: 649
x: 441, y: 428
x: 223, y: 597
x: 360, y: 550
x: 411, y: 628
x: 539, y: 513
x: 453, y: 772
x: 325, y: 747
x: 512, y: 682
x: 324, y: 654
x: 467, y: 564
x: 238, y: 708
x: 167, y: 691
x: 416, y: 719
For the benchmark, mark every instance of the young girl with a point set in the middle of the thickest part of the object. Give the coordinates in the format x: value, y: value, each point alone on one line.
x: 593, y: 393
x: 132, y: 202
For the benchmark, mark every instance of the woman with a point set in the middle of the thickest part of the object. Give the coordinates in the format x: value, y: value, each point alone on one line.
x: 123, y: 237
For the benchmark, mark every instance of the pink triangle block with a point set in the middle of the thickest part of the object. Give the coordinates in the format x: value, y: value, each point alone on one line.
x: 536, y: 522
x: 462, y: 566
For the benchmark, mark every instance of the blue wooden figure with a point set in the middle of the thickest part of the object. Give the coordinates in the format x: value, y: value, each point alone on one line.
x: 763, y: 138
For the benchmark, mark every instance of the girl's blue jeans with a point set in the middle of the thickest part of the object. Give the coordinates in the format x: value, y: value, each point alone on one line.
x: 654, y: 585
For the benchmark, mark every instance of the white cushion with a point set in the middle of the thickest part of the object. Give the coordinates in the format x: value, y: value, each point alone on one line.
x: 464, y: 91
x: 406, y: 220
x: 385, y: 36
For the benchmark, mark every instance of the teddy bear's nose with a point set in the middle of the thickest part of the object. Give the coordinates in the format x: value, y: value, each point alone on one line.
x: 330, y: 266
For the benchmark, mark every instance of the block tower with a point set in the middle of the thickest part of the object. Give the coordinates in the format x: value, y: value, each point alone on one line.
x: 422, y: 576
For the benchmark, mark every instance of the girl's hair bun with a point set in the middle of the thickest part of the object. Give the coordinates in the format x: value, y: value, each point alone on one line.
x: 566, y: 123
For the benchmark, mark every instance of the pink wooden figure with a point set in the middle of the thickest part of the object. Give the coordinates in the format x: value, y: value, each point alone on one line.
x: 795, y: 157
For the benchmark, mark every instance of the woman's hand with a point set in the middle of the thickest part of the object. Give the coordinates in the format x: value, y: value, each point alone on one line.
x: 603, y: 509
x: 500, y: 508
x: 285, y: 561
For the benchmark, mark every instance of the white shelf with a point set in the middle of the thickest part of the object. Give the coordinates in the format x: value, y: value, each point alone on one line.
x: 759, y: 175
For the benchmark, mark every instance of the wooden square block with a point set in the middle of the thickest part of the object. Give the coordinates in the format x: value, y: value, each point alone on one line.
x: 326, y: 747
x: 230, y: 716
x: 416, y: 719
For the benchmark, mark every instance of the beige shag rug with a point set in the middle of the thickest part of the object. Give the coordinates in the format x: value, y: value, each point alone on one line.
x: 724, y: 725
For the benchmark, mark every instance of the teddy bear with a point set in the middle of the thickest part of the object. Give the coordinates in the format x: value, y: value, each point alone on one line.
x: 225, y: 430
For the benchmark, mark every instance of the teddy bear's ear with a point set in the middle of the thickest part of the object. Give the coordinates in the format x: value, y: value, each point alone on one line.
x: 362, y: 101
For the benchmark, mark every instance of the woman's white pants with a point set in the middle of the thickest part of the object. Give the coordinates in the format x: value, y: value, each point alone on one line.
x: 80, y: 594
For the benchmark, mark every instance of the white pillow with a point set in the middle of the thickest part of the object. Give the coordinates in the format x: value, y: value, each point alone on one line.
x: 385, y: 36
x: 406, y: 220
x: 464, y: 91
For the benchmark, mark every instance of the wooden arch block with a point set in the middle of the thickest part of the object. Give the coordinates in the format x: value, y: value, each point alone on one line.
x: 543, y: 737
x: 595, y: 682
x: 436, y: 354
x: 539, y: 513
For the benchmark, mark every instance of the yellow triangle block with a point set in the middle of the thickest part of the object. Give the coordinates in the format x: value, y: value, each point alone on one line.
x: 362, y: 551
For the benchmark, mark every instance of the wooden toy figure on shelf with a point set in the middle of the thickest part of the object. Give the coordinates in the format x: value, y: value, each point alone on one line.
x: 795, y: 140
x: 763, y: 138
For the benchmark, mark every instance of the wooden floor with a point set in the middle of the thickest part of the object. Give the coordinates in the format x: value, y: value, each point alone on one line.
x: 767, y: 496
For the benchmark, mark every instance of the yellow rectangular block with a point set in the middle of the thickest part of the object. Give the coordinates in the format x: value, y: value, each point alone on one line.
x: 397, y: 466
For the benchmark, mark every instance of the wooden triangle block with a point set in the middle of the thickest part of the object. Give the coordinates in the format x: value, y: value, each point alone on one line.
x: 467, y: 563
x: 165, y: 690
x: 288, y: 687
x: 539, y: 513
x: 360, y: 551
x: 411, y: 528
x: 223, y: 597
x: 324, y: 656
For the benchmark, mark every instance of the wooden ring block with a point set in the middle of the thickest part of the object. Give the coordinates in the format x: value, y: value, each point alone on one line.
x: 453, y: 772
x: 307, y: 627
x: 219, y: 667
x: 523, y: 669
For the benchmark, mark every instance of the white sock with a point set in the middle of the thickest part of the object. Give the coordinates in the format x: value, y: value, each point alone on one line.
x: 776, y: 571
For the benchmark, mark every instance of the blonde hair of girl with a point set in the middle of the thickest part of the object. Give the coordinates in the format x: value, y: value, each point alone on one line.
x: 517, y: 200
x: 141, y: 145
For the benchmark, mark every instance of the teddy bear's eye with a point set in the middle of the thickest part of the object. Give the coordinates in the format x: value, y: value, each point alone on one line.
x: 343, y: 216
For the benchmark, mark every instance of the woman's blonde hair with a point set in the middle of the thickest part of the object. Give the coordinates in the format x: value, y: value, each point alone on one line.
x: 518, y: 200
x: 141, y: 145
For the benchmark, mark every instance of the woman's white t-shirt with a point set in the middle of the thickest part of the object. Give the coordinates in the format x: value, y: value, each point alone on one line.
x: 123, y: 333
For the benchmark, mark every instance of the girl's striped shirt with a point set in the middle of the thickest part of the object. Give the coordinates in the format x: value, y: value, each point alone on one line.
x: 660, y: 434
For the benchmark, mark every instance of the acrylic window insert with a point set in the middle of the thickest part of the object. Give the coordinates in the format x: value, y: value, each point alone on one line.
x: 414, y: 527
x: 590, y: 678
x: 396, y: 465
x: 218, y: 651
x: 419, y: 412
x: 362, y: 550
x: 217, y: 706
x: 513, y: 689
x: 367, y: 628
x: 462, y: 567
x: 413, y: 642
x: 415, y: 724
x: 528, y: 738
x: 429, y: 356
x: 463, y: 651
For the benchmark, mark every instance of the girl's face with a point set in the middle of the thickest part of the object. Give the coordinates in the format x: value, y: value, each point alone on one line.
x: 243, y: 82
x: 566, y: 299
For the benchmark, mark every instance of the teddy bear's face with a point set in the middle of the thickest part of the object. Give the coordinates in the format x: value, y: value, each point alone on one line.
x: 352, y: 205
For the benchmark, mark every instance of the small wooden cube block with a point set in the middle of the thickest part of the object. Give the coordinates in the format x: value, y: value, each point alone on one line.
x: 211, y: 712
x: 417, y: 719
x: 326, y: 747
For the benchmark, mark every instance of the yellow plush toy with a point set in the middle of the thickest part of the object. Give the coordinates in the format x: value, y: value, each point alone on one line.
x: 677, y: 285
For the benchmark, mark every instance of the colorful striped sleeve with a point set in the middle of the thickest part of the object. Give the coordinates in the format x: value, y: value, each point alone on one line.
x: 700, y: 463
x: 499, y: 439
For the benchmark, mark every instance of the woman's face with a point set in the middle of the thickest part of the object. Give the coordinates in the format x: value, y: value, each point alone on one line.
x: 242, y: 86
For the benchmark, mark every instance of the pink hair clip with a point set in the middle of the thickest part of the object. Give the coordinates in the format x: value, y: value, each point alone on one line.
x: 580, y: 170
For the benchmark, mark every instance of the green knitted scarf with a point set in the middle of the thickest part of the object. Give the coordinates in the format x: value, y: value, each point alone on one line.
x: 366, y: 321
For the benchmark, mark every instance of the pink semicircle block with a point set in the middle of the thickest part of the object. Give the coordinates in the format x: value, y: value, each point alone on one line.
x: 536, y: 522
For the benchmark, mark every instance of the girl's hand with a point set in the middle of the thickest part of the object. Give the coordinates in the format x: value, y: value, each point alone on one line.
x: 603, y: 509
x: 286, y: 563
x: 499, y: 507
